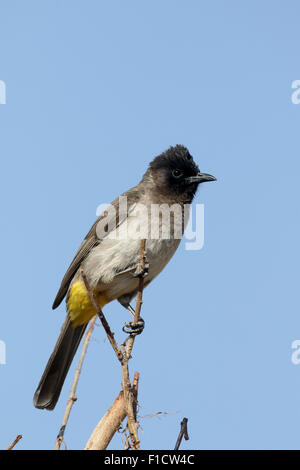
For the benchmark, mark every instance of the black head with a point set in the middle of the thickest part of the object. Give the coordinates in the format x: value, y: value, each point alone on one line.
x: 175, y: 171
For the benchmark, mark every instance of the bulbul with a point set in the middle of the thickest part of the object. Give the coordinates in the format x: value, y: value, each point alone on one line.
x: 109, y: 255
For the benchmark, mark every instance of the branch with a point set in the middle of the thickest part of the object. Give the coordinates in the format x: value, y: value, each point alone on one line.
x: 128, y: 391
x: 135, y: 387
x: 129, y: 404
x: 12, y: 445
x: 72, y: 397
x: 108, y: 425
x: 183, y: 433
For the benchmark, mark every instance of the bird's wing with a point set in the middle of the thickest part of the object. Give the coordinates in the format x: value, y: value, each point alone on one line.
x: 113, y: 220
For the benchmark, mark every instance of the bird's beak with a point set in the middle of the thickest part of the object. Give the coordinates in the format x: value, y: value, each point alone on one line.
x: 200, y: 178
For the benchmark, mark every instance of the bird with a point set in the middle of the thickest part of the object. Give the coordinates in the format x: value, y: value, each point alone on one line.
x: 110, y: 262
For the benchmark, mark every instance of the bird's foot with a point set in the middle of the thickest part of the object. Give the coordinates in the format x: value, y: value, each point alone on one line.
x: 134, y: 329
x: 141, y: 271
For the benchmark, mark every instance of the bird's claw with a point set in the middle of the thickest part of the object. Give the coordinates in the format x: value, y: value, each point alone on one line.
x: 134, y: 329
x: 141, y: 271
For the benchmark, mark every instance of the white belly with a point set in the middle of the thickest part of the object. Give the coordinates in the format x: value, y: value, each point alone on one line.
x: 120, y: 251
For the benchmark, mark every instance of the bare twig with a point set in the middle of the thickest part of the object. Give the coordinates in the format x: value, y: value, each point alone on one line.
x: 12, y: 445
x: 135, y: 386
x: 183, y: 433
x: 72, y: 397
x: 158, y: 414
x: 129, y: 404
x: 128, y: 391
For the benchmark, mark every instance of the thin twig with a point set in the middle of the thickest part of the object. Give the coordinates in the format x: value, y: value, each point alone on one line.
x: 129, y: 401
x: 128, y: 390
x: 72, y: 397
x: 183, y: 433
x: 132, y: 440
x: 135, y: 387
x: 12, y: 445
x: 100, y: 314
x: 158, y: 414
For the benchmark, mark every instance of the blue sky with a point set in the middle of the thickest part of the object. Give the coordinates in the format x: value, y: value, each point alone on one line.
x: 94, y: 91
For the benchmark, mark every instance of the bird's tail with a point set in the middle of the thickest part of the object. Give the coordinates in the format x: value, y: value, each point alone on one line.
x: 53, y: 378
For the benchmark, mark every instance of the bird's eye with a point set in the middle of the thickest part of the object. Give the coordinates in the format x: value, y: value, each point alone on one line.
x: 176, y: 173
